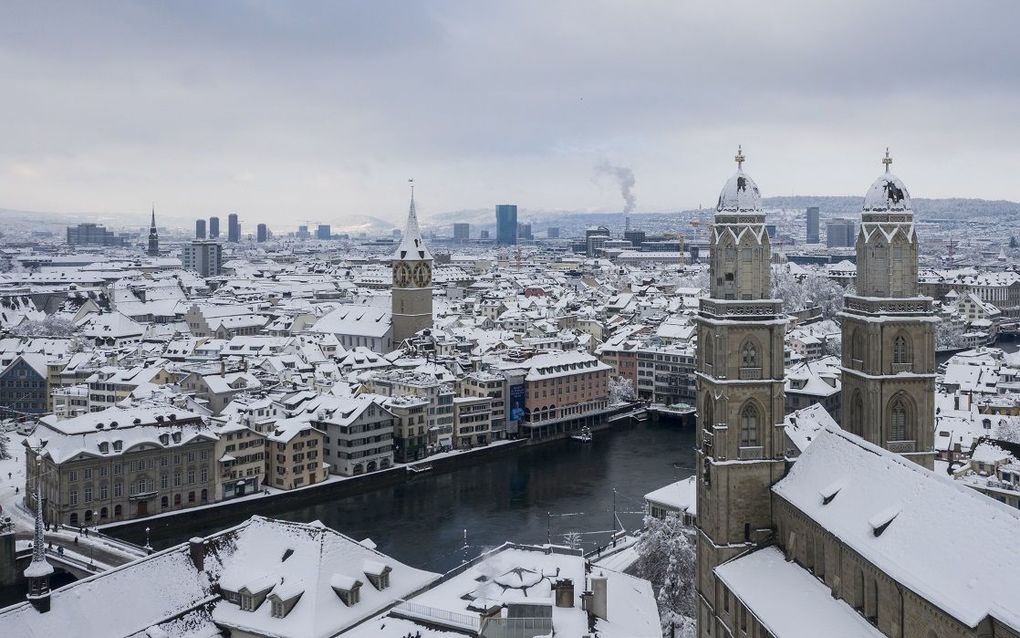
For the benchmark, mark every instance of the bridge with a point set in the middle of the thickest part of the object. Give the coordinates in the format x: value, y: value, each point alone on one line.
x: 78, y: 567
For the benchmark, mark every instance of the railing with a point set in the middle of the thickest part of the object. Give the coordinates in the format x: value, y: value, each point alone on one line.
x: 750, y: 453
x: 750, y: 374
x: 902, y: 367
x: 516, y: 627
x: 439, y: 616
x: 901, y: 447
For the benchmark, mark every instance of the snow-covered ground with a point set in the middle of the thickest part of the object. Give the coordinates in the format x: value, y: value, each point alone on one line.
x: 12, y: 482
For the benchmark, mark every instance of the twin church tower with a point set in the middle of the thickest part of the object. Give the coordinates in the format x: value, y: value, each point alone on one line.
x: 888, y: 364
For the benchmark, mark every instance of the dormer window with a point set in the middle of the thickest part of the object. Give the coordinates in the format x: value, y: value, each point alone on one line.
x: 247, y: 602
x: 278, y: 608
x: 118, y: 446
x: 104, y: 448
x: 377, y: 574
x: 346, y: 588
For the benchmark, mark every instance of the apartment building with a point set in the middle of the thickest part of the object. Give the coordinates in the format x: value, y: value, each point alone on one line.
x: 439, y: 418
x: 564, y: 391
x: 358, y: 433
x: 665, y: 374
x: 472, y: 422
x: 122, y: 463
x: 410, y: 438
x: 493, y: 386
x: 294, y: 453
x: 240, y: 458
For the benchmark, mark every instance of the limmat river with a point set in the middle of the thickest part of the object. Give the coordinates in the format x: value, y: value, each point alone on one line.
x: 526, y: 496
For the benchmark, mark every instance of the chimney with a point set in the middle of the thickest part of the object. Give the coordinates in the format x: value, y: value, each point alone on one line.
x: 599, y: 595
x: 564, y: 592
x: 196, y: 547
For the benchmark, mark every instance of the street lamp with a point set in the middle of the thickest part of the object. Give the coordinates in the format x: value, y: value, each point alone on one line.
x: 147, y: 547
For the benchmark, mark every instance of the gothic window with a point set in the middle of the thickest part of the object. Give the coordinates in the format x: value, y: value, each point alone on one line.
x: 857, y: 414
x: 709, y: 419
x: 749, y: 356
x: 745, y: 254
x: 858, y: 345
x: 709, y: 346
x: 901, y: 350
x: 749, y: 425
x: 898, y: 419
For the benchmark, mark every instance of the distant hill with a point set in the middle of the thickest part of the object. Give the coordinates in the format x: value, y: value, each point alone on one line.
x: 924, y: 207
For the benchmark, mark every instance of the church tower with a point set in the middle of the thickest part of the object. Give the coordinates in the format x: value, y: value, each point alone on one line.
x: 889, y: 331
x: 412, y: 281
x: 153, y: 236
x: 740, y: 439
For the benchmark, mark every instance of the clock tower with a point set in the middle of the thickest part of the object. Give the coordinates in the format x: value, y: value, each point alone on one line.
x: 412, y: 281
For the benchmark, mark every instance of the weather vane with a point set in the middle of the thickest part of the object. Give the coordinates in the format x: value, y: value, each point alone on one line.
x: 740, y: 158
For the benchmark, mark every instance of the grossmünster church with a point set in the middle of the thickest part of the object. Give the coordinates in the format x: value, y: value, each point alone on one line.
x: 857, y: 536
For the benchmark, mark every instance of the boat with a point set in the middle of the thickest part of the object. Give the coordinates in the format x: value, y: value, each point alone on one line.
x: 584, y: 436
x: 420, y: 468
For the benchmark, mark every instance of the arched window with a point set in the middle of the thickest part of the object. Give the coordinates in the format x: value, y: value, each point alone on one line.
x: 749, y: 426
x: 709, y: 348
x: 164, y: 502
x: 749, y: 356
x: 73, y: 520
x: 116, y: 511
x: 104, y: 514
x: 709, y: 412
x: 858, y: 349
x: 857, y: 414
x: 898, y: 420
x: 901, y: 350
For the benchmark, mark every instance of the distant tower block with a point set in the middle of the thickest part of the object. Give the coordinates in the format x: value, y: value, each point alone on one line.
x: 199, y: 229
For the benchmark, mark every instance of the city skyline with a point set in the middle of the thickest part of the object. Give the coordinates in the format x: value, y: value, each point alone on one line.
x: 323, y: 113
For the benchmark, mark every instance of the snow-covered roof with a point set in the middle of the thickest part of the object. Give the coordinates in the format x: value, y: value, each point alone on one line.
x: 739, y: 194
x: 412, y: 246
x: 931, y: 545
x: 788, y: 600
x: 887, y: 193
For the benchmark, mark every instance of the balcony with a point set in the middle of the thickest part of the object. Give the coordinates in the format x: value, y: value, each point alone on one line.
x: 901, y: 447
x: 750, y: 453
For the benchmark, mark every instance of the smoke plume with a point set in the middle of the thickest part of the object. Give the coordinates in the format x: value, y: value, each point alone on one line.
x: 625, y: 178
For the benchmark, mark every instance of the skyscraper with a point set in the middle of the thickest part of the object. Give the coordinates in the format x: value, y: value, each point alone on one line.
x: 199, y: 229
x: 204, y: 256
x: 524, y: 232
x: 302, y: 232
x: 261, y: 233
x: 741, y: 448
x: 462, y: 231
x: 812, y: 225
x: 889, y: 331
x: 552, y: 232
x: 214, y: 227
x: 233, y: 228
x: 506, y: 224
x: 839, y: 233
x: 323, y: 232
x: 411, y: 294
x: 153, y: 250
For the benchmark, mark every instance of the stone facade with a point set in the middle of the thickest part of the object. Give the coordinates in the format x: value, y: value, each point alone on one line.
x: 889, y: 331
x: 740, y: 440
x: 412, y: 282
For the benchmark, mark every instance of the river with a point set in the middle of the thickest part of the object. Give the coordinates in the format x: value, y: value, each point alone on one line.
x: 551, y: 489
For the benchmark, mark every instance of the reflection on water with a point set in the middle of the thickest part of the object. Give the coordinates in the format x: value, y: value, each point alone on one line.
x: 423, y: 522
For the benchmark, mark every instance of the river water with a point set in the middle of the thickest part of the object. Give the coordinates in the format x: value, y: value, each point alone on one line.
x: 527, y: 496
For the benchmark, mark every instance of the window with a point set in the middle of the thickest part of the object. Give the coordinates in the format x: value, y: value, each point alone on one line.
x: 72, y: 476
x: 118, y: 490
x: 857, y: 414
x: 901, y: 352
x: 749, y: 426
x: 247, y: 603
x: 104, y: 492
x: 74, y: 497
x: 277, y: 608
x: 898, y: 421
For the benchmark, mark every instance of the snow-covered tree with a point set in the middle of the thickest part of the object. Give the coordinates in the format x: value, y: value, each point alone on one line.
x: 810, y: 291
x: 833, y: 346
x: 48, y: 327
x: 572, y: 540
x: 621, y: 390
x: 4, y: 449
x: 1008, y: 430
x: 666, y: 558
x: 949, y: 335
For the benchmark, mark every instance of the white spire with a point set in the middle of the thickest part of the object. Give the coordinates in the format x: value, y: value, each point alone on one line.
x: 412, y: 247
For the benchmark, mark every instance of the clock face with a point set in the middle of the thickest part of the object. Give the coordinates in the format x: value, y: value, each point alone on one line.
x: 422, y: 276
x: 401, y: 274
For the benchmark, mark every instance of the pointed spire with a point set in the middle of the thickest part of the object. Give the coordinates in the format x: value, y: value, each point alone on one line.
x: 739, y: 158
x: 412, y: 247
x: 887, y: 160
x: 39, y: 570
x: 153, y: 225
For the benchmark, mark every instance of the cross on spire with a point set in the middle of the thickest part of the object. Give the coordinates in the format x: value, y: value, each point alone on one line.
x: 887, y: 160
x: 739, y: 157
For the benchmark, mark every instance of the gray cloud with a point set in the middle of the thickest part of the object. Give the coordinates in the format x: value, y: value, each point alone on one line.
x: 322, y: 110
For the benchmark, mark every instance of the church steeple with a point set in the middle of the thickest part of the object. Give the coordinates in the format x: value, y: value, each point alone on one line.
x: 39, y: 570
x: 412, y: 280
x: 153, y: 236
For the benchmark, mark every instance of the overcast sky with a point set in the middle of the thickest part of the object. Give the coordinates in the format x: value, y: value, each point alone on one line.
x: 288, y: 111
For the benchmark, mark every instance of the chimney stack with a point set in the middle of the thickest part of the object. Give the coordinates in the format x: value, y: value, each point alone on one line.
x: 599, y: 596
x: 564, y: 590
x: 196, y: 547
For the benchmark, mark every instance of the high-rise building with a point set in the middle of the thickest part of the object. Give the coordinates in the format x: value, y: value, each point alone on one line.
x: 506, y: 224
x: 741, y: 447
x: 204, y: 256
x: 524, y: 232
x: 261, y: 233
x: 552, y: 232
x: 462, y: 231
x: 92, y: 235
x: 233, y: 228
x: 771, y: 230
x: 635, y: 237
x: 199, y: 229
x: 302, y: 232
x: 812, y: 225
x: 411, y: 294
x: 839, y: 233
x: 889, y: 331
x: 323, y: 232
x: 484, y: 234
x: 153, y: 250
x: 214, y: 227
